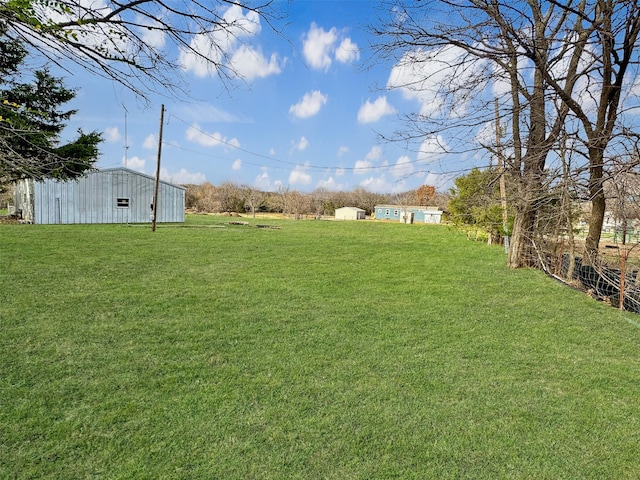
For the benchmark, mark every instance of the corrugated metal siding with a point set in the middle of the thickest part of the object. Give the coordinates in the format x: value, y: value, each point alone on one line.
x: 93, y: 199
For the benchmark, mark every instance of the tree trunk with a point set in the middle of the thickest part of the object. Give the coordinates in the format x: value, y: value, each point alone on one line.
x: 521, y: 252
x: 530, y: 184
x: 598, y: 206
x: 520, y: 244
x: 592, y: 241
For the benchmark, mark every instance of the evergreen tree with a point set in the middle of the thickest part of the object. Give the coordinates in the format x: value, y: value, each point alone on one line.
x: 32, y: 117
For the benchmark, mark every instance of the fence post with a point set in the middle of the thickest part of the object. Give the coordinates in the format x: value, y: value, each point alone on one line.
x: 623, y: 264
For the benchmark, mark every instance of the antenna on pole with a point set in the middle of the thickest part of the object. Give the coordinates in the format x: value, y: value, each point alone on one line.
x: 126, y: 139
x: 155, y: 191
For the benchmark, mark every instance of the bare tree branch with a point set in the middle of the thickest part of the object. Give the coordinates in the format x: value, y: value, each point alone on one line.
x: 112, y: 39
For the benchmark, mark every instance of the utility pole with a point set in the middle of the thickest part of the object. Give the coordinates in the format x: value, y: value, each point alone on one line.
x: 155, y: 190
x: 126, y: 146
x: 503, y: 188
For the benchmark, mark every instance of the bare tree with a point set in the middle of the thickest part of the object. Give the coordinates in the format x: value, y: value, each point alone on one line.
x: 548, y: 58
x: 622, y: 190
x: 606, y: 34
x: 126, y: 40
x: 300, y: 204
x: 202, y: 198
x: 283, y: 199
x: 473, y: 51
x: 367, y: 200
x: 252, y: 198
x: 319, y: 201
x: 230, y: 197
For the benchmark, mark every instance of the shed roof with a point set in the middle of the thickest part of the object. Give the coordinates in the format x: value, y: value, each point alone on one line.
x: 135, y: 172
x: 410, y: 207
x: 356, y: 209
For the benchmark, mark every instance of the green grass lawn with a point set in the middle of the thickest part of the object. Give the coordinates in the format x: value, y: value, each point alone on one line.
x: 329, y: 350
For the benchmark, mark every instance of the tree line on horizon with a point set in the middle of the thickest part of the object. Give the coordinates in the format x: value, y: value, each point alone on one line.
x: 230, y: 197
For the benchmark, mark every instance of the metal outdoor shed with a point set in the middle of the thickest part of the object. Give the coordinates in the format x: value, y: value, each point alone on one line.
x: 349, y: 213
x: 114, y: 195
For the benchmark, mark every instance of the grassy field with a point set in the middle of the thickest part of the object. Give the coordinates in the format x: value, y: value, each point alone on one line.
x: 333, y: 350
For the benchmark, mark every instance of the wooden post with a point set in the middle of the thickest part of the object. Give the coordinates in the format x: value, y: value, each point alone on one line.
x: 623, y: 265
x: 155, y: 190
x: 503, y: 187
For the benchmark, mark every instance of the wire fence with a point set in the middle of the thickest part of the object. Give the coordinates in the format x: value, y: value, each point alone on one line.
x: 612, y: 276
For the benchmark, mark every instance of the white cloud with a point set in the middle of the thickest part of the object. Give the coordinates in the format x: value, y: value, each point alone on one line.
x: 150, y: 142
x: 249, y: 64
x: 112, y: 134
x: 441, y: 182
x: 195, y: 134
x: 372, y: 112
x: 263, y: 182
x: 374, y: 154
x: 342, y: 150
x: 362, y: 167
x: 421, y: 74
x: 399, y: 187
x: 340, y: 172
x: 182, y: 177
x: 310, y: 104
x: 152, y: 35
x: 376, y: 184
x: 347, y: 52
x: 381, y: 185
x: 199, y: 63
x: 318, y: 46
x: 238, y: 25
x: 432, y: 149
x: 402, y: 168
x: 111, y: 42
x: 501, y: 85
x: 134, y: 163
x: 272, y: 151
x: 486, y: 135
x: 299, y: 176
x: 228, y: 41
x: 331, y: 184
x: 172, y: 143
x: 301, y: 145
x: 237, y: 165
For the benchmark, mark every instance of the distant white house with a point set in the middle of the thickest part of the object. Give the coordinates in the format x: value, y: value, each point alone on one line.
x: 114, y: 195
x: 349, y: 213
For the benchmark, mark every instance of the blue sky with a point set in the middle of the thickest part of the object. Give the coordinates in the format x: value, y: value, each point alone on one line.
x: 309, y: 113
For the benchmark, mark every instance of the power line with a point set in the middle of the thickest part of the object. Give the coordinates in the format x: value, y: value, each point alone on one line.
x: 363, y: 169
